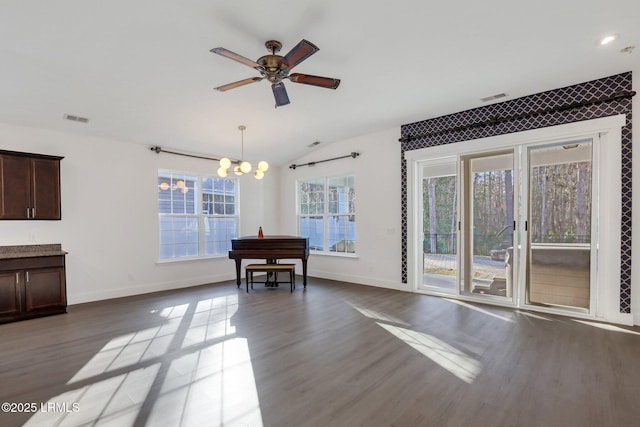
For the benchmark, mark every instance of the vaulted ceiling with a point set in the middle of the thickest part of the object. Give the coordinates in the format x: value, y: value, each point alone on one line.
x: 142, y: 70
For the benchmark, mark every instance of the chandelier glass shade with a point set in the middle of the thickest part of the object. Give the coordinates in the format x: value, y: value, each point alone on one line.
x: 241, y: 166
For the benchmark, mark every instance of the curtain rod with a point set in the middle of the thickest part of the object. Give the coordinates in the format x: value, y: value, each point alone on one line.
x: 159, y: 150
x: 353, y: 155
x: 496, y: 120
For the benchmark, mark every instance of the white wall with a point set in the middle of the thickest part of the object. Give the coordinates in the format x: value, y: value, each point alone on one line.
x: 378, y: 208
x: 109, y: 215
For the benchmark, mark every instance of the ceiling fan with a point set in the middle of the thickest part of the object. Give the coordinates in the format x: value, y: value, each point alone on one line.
x: 276, y: 68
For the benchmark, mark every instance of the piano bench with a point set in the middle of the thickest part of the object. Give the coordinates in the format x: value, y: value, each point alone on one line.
x: 270, y: 268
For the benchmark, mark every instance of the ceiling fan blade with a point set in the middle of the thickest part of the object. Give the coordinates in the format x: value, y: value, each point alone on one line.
x: 308, y: 79
x: 232, y: 55
x: 280, y: 93
x: 299, y: 53
x: 238, y: 83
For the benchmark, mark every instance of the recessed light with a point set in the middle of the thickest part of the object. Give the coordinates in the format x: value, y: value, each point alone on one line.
x: 608, y: 39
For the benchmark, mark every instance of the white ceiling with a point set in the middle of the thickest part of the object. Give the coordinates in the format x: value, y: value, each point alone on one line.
x: 142, y: 72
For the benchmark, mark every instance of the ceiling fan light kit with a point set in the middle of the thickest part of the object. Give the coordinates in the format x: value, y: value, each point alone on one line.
x: 276, y: 68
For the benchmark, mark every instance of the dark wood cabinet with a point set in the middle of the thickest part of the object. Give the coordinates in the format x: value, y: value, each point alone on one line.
x: 32, y: 287
x: 29, y: 186
x: 9, y: 294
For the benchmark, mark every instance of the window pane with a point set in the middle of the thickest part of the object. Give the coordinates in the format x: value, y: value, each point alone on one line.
x: 560, y: 212
x: 178, y: 234
x: 313, y: 228
x: 311, y: 197
x: 218, y: 234
x: 177, y: 193
x: 341, y: 194
x: 207, y: 185
x: 342, y: 233
x: 207, y: 204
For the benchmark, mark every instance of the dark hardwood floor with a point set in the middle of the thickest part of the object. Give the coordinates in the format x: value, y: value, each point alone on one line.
x: 336, y: 354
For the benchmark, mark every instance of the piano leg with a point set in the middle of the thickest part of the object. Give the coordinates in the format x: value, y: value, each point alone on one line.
x: 238, y: 268
x: 304, y: 272
x: 272, y: 277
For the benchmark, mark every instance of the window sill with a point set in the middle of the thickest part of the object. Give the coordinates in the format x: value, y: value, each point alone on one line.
x: 335, y: 254
x: 187, y: 259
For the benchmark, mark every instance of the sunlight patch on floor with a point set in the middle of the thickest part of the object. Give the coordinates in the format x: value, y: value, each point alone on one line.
x: 191, y: 369
x: 214, y: 386
x: 376, y: 315
x: 116, y: 400
x: 125, y: 351
x: 534, y: 316
x: 453, y: 360
x: 478, y: 309
x: 606, y: 327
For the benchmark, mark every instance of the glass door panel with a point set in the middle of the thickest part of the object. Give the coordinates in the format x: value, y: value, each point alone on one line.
x: 489, y: 225
x: 439, y: 227
x: 559, y: 254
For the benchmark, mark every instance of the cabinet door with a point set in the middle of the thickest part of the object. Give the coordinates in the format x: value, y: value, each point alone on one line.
x: 45, y: 288
x: 15, y: 187
x: 9, y: 294
x: 45, y: 189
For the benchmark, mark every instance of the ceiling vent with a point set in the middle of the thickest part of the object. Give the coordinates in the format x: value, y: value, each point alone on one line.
x: 494, y: 97
x: 76, y: 118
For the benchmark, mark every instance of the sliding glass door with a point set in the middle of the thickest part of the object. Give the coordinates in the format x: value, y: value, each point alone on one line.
x: 554, y: 221
x: 439, y: 227
x: 530, y: 220
x: 560, y: 225
x: 488, y: 224
x: 479, y: 212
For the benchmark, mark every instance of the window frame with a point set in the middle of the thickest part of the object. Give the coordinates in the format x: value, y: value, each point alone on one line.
x: 200, y: 215
x: 324, y: 213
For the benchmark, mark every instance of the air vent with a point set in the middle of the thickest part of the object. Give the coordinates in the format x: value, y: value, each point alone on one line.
x: 314, y: 144
x: 76, y: 118
x: 493, y: 97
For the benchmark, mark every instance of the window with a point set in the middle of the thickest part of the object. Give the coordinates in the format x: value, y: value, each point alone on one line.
x: 198, y: 215
x: 326, y: 213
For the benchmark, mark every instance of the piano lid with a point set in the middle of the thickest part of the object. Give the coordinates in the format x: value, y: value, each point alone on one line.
x: 270, y: 237
x: 270, y: 241
x: 252, y: 243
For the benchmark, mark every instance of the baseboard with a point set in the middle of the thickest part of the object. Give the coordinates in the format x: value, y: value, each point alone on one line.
x: 360, y: 280
x: 626, y: 319
x: 132, y: 289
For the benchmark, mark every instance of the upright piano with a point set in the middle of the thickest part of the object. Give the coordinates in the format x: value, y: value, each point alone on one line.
x: 270, y: 248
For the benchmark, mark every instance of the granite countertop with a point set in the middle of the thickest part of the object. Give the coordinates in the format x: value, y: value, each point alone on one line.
x: 29, y: 251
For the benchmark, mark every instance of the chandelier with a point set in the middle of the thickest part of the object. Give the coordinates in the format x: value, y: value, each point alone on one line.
x: 242, y: 166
